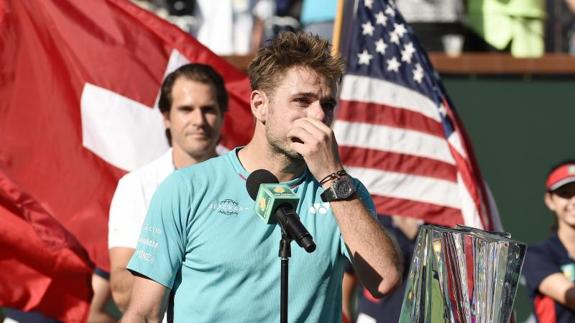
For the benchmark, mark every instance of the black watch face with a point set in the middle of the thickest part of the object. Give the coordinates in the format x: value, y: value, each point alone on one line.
x: 344, y: 188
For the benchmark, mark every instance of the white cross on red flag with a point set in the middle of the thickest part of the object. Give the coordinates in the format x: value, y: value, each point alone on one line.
x: 79, y: 81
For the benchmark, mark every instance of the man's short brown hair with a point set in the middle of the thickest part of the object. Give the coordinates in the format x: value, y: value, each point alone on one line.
x: 293, y: 50
x: 197, y: 72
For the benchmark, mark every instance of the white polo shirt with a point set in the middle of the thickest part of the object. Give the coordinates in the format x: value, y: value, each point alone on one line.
x: 132, y: 199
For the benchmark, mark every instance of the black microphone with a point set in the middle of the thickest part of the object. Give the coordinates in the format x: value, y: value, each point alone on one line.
x: 277, y: 202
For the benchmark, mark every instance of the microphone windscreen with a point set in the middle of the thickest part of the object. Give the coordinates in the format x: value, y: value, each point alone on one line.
x: 258, y: 177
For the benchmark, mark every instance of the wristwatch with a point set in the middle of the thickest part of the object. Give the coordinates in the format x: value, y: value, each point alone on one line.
x: 341, y: 189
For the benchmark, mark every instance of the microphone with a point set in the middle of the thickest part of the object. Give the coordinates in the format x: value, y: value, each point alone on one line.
x: 276, y: 203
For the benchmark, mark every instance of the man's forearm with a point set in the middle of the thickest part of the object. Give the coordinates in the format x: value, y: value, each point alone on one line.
x: 373, y: 253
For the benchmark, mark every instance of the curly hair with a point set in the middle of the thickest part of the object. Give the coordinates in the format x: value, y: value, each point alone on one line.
x: 293, y: 50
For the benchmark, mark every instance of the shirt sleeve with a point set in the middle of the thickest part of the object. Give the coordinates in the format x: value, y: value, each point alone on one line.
x: 163, y: 239
x: 539, y: 264
x: 364, y: 196
x: 127, y: 212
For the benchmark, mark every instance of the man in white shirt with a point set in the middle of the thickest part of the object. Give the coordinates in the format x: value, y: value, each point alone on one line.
x: 193, y: 101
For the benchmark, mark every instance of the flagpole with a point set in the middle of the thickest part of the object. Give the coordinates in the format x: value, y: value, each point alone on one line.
x: 336, y: 38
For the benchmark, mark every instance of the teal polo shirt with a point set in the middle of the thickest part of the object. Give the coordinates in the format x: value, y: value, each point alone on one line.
x: 202, y: 239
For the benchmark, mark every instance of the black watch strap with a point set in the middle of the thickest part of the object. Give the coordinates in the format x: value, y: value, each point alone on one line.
x: 328, y: 195
x: 342, y: 188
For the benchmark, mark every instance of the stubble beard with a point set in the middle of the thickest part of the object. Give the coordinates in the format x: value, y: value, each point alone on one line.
x: 281, y: 148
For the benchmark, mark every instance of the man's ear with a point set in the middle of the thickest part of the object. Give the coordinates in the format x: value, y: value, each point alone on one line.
x: 549, y: 201
x: 259, y: 105
x: 166, y: 119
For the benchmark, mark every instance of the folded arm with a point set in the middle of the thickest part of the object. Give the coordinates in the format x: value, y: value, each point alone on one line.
x: 559, y: 288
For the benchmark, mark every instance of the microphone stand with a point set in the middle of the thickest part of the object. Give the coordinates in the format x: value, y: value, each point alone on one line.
x: 284, y: 254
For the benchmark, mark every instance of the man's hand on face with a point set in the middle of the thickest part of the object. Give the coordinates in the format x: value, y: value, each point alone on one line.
x: 316, y: 142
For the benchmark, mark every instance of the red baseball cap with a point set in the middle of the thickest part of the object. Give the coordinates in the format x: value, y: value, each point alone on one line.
x: 561, y: 176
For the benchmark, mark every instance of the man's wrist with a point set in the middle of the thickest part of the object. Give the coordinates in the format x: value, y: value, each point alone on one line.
x: 327, y: 184
x: 338, y: 186
x: 327, y: 181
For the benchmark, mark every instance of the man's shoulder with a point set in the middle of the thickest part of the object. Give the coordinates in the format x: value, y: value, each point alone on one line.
x: 208, y: 168
x: 213, y: 162
x: 154, y: 170
x: 201, y: 176
x: 209, y: 171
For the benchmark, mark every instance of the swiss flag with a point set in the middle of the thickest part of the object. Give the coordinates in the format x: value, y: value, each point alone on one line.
x: 43, y: 267
x: 79, y: 81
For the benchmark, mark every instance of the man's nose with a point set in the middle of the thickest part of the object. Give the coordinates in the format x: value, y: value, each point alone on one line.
x: 317, y: 112
x: 197, y: 117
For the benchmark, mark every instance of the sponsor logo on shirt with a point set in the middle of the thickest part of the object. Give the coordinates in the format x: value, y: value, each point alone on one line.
x: 227, y: 207
x: 148, y: 242
x: 319, y: 208
x: 145, y: 256
x: 151, y: 229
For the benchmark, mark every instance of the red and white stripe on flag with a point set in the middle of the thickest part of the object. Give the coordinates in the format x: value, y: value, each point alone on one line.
x: 397, y: 131
x: 392, y: 139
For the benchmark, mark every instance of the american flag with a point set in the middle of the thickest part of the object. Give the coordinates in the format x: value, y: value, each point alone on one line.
x: 397, y: 130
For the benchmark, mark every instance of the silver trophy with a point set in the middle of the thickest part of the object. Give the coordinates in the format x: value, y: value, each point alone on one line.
x: 462, y: 275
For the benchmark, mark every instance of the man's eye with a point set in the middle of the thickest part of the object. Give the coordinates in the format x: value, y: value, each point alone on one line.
x: 328, y: 106
x: 209, y: 109
x: 302, y: 101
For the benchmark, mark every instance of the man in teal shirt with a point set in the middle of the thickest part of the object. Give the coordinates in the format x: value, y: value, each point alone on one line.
x: 202, y: 239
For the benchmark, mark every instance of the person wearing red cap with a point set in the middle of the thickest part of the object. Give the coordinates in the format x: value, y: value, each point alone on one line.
x: 549, y: 267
